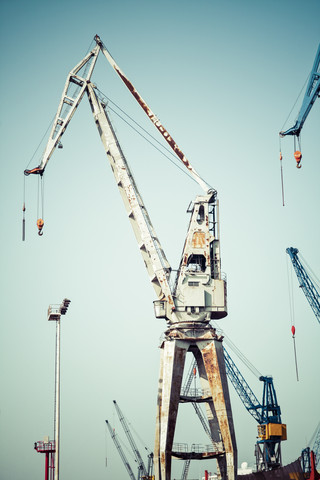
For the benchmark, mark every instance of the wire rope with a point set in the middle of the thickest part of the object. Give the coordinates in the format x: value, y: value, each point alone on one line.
x: 314, y: 435
x: 290, y: 293
x: 125, y: 446
x: 292, y: 316
x: 145, y: 138
x: 239, y: 354
x: 44, y: 135
x: 142, y: 128
x: 295, y: 102
x: 136, y: 433
x: 281, y: 172
x: 315, y: 279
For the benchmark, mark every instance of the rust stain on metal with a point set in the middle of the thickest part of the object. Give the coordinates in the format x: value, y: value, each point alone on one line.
x: 198, y: 240
x: 154, y: 119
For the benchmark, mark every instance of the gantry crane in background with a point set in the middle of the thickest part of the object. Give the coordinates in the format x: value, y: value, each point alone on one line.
x: 198, y: 294
x: 271, y: 430
x: 310, y: 456
x: 143, y: 472
x: 311, y: 93
x: 305, y: 282
x: 120, y: 450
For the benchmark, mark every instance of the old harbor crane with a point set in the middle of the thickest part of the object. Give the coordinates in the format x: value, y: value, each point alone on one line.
x: 198, y: 294
x: 311, y: 94
x: 305, y: 282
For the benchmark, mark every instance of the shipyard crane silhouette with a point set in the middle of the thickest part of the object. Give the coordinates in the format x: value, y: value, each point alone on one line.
x: 198, y: 294
x: 120, y: 450
x: 144, y: 473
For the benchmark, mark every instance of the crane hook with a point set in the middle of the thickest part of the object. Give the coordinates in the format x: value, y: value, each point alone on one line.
x: 298, y: 157
x: 40, y: 224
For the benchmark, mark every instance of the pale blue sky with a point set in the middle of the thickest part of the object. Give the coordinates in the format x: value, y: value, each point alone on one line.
x: 222, y: 77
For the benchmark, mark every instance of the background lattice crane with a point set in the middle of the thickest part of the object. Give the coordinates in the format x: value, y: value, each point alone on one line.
x: 143, y: 472
x: 271, y: 430
x: 120, y: 451
x: 305, y: 282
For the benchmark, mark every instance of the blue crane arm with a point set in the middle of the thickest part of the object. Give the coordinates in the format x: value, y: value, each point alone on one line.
x: 312, y: 92
x: 305, y: 282
x: 245, y: 393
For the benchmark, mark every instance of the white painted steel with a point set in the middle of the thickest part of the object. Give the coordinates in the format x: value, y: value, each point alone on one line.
x: 61, y: 122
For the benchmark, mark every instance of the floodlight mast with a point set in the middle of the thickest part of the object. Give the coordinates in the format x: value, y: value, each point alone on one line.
x: 54, y: 314
x: 199, y: 292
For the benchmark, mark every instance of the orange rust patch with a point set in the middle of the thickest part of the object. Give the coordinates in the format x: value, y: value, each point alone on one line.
x: 198, y: 240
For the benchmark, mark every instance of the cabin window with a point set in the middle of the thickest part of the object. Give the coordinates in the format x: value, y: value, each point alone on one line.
x: 196, y: 263
x: 200, y: 216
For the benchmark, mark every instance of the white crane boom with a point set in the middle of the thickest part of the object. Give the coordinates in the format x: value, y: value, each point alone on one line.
x: 152, y: 253
x: 201, y: 249
x: 71, y: 97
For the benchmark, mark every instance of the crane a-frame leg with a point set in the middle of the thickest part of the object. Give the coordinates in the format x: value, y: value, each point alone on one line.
x: 208, y: 351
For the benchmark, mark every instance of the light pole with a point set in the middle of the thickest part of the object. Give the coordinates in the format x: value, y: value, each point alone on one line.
x: 54, y: 314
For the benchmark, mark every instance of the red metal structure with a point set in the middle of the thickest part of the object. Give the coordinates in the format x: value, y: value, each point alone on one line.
x: 49, y: 449
x: 314, y: 474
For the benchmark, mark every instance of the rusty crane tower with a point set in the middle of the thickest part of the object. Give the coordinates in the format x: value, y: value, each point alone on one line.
x: 199, y: 291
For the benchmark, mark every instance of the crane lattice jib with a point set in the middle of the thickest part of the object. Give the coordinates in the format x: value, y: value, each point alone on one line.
x: 121, y: 452
x: 185, y: 470
x: 245, y: 393
x: 312, y: 92
x: 305, y: 282
x: 316, y: 446
x: 141, y: 466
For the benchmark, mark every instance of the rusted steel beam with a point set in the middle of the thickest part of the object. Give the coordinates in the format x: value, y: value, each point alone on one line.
x: 210, y: 360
